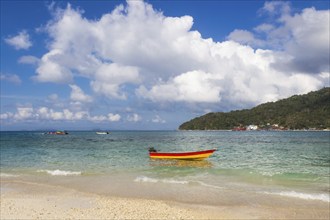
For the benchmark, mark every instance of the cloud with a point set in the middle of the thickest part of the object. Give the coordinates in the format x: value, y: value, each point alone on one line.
x: 12, y: 78
x: 309, y: 43
x: 50, y: 69
x: 102, y: 118
x: 113, y: 117
x: 134, y: 118
x: 29, y: 60
x: 274, y: 8
x: 98, y: 118
x: 194, y: 86
x: 109, y: 77
x: 78, y: 96
x: 44, y: 113
x: 23, y: 113
x: 247, y: 37
x: 136, y: 52
x: 303, y: 38
x: 20, y: 41
x: 6, y: 116
x: 158, y: 119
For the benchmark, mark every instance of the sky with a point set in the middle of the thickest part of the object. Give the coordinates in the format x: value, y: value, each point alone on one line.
x: 152, y: 65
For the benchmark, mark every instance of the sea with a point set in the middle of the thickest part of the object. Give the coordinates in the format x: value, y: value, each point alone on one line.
x: 249, y: 167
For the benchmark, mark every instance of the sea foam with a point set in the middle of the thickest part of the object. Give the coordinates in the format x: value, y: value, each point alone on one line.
x: 7, y: 175
x: 322, y: 196
x: 60, y: 172
x: 209, y: 185
x: 145, y: 179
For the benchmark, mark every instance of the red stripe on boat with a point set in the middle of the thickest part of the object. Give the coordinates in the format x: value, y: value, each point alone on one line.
x: 181, y: 153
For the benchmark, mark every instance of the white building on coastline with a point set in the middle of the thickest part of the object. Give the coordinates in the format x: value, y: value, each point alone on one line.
x: 252, y: 127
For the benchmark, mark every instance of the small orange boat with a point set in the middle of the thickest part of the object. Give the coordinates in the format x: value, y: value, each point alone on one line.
x: 194, y: 155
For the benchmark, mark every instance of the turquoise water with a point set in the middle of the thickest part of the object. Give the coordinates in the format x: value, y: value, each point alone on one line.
x: 286, y: 164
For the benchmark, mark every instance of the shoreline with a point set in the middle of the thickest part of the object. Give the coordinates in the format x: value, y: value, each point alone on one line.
x: 35, y: 200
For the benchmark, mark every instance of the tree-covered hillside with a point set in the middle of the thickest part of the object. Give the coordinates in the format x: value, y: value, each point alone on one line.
x: 307, y: 111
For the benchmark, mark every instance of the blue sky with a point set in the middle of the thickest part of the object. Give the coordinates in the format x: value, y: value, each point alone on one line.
x: 146, y: 65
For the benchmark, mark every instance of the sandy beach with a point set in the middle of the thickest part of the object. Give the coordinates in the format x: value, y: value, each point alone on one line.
x: 31, y: 200
x: 23, y: 200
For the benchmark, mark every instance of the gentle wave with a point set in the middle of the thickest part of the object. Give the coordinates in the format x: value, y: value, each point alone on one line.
x: 209, y: 185
x: 7, y: 175
x: 322, y: 197
x: 60, y: 172
x: 270, y: 173
x: 145, y: 179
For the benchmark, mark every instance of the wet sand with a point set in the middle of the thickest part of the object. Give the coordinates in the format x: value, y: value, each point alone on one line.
x: 31, y: 200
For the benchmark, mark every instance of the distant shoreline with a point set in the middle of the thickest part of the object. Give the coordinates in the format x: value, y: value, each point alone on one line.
x: 263, y: 130
x: 299, y: 112
x: 179, y: 130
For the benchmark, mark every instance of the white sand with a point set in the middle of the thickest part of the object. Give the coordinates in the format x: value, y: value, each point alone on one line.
x: 26, y: 200
x: 36, y: 201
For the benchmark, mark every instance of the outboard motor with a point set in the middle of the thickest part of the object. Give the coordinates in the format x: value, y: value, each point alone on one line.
x: 151, y: 149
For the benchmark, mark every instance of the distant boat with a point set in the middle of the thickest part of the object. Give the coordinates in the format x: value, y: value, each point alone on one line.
x: 239, y: 129
x: 194, y: 155
x: 57, y: 132
x: 102, y: 132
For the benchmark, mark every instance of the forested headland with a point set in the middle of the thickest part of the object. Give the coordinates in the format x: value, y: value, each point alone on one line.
x: 309, y: 111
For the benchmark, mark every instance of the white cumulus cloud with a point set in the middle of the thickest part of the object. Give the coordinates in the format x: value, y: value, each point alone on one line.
x: 105, y: 118
x: 7, y: 115
x: 20, y: 41
x: 303, y: 38
x: 24, y: 113
x: 137, y: 52
x: 134, y: 117
x: 113, y: 117
x: 194, y: 86
x: 77, y: 95
x: 50, y: 68
x: 109, y: 77
x: 43, y: 113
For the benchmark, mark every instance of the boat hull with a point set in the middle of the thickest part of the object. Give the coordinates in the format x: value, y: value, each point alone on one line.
x: 57, y: 132
x: 102, y: 132
x: 196, y: 155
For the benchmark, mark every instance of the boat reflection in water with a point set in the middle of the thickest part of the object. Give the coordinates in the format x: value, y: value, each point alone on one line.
x: 181, y: 163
